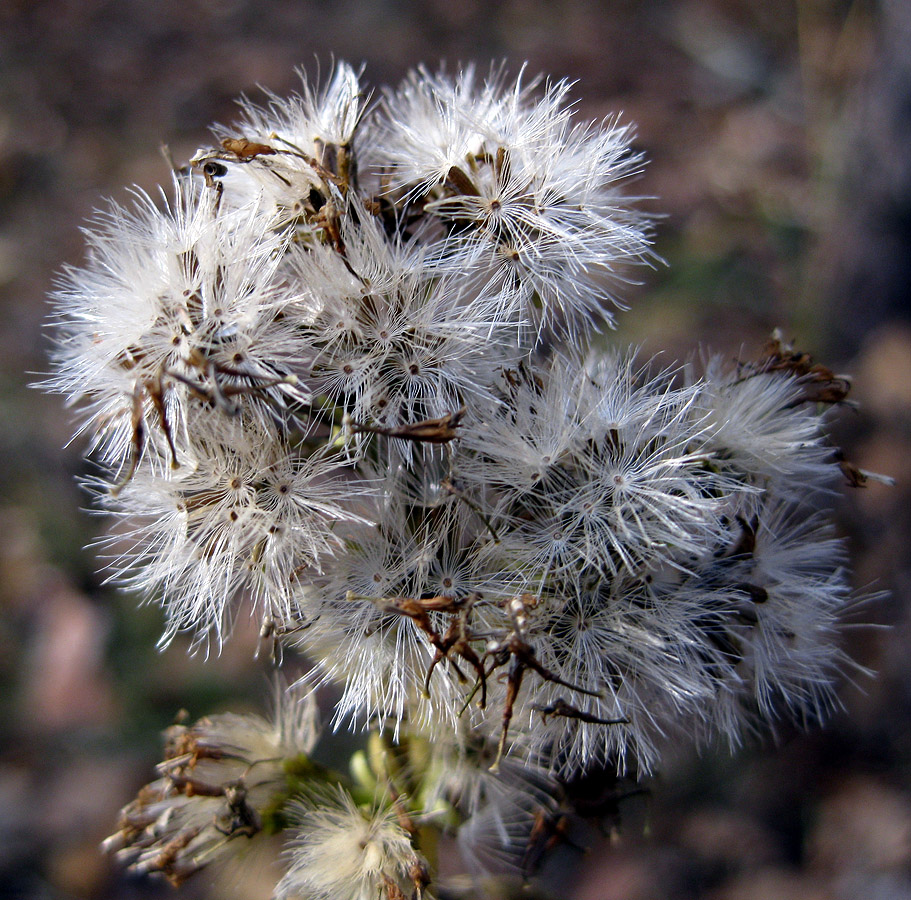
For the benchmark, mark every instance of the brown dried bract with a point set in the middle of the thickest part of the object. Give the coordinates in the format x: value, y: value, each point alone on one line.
x: 245, y: 149
x: 820, y: 384
x: 516, y: 652
x: 457, y: 640
x: 428, y: 431
x: 561, y: 708
x: 856, y: 476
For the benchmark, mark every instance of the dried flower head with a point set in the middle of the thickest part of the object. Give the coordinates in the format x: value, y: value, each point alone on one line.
x: 224, y: 777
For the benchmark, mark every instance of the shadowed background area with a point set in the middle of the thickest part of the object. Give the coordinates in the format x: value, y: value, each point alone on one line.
x: 779, y: 139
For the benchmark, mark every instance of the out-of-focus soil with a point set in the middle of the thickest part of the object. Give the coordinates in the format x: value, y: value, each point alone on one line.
x: 779, y: 135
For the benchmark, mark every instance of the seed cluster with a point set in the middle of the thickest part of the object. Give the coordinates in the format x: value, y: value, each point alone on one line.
x: 353, y: 374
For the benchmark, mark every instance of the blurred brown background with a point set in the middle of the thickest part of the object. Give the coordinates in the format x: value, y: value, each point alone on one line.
x: 779, y: 134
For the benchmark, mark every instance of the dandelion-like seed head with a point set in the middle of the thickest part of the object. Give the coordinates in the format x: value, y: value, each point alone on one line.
x: 536, y: 197
x: 238, y: 522
x: 296, y: 154
x: 339, y: 849
x: 177, y: 315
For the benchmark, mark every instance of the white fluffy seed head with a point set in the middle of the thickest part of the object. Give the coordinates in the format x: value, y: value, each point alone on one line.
x: 338, y: 849
x: 761, y: 426
x: 294, y: 154
x: 237, y: 522
x: 174, y: 305
x: 537, y: 198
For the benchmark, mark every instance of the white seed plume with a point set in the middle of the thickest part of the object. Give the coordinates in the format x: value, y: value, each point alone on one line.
x: 339, y: 850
